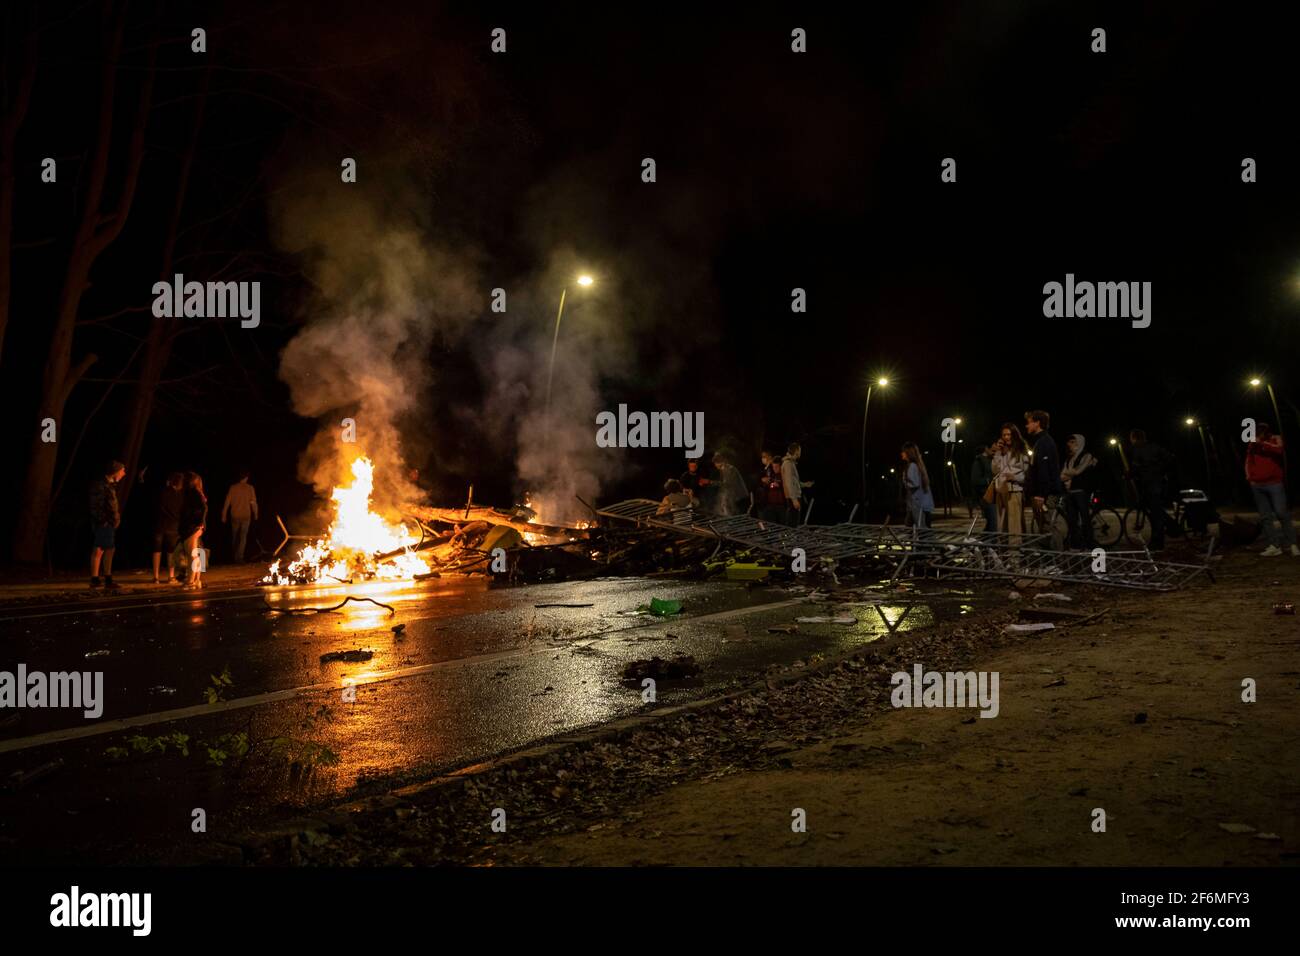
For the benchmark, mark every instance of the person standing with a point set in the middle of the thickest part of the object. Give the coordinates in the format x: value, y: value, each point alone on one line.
x: 791, y: 486
x: 733, y: 496
x: 194, y: 519
x: 1148, y: 465
x: 981, y: 477
x: 694, y: 483
x: 167, y: 525
x: 1079, y: 476
x: 916, y: 482
x: 1264, y: 472
x: 241, y: 507
x: 1044, y: 478
x: 771, y: 490
x: 105, y: 517
x: 1010, y: 462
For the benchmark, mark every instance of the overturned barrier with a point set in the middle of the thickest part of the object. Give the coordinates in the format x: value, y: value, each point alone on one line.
x: 989, y: 554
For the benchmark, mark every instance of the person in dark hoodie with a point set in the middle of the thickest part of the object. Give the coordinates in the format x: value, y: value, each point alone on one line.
x: 167, y: 525
x: 194, y: 520
x: 1148, y: 464
x: 1043, y: 482
x: 1079, y: 474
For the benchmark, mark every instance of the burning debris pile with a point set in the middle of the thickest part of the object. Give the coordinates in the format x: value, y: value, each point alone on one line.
x: 360, y: 545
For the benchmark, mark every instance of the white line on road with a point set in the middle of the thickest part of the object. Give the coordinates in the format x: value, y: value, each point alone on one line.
x: 240, y: 703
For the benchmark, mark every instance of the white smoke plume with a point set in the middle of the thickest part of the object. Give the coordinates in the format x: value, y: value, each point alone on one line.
x: 383, y: 293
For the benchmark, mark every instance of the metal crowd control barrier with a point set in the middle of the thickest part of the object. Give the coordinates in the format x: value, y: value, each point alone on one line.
x: 952, y: 552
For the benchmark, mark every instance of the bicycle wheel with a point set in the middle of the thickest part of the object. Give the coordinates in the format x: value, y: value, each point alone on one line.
x: 1107, y: 528
x: 1136, y: 526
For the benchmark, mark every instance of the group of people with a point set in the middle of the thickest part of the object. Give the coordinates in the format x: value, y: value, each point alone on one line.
x: 180, y: 520
x: 1020, y: 468
x: 778, y: 494
x: 1009, y: 472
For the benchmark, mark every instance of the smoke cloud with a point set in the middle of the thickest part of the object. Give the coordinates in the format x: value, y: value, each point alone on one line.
x: 384, y: 293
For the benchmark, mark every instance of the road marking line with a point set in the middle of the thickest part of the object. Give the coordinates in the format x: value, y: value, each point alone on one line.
x: 414, y: 670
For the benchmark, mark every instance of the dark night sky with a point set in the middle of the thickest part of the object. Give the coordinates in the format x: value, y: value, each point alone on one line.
x: 775, y: 170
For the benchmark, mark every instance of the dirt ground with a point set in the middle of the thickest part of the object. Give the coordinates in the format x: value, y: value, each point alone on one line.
x: 1140, y: 715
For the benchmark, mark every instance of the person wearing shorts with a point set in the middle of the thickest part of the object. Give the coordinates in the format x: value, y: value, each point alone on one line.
x: 105, y: 516
x: 167, y: 526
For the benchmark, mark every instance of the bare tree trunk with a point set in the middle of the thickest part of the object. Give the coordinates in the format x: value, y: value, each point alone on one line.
x: 95, y: 231
x: 158, y: 343
x: 14, y: 112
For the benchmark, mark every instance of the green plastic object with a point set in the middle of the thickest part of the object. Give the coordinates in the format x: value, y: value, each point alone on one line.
x: 664, y: 608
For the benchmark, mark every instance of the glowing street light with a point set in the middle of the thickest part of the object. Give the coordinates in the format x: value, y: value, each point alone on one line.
x: 585, y: 280
x: 880, y: 382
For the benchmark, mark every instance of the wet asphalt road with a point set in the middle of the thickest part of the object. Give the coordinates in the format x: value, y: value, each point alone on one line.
x: 476, y: 672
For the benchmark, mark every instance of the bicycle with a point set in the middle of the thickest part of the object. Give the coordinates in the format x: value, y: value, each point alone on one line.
x: 1107, y: 526
x: 1182, y: 520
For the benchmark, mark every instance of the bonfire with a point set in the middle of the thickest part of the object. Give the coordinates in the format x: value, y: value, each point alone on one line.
x: 359, y: 546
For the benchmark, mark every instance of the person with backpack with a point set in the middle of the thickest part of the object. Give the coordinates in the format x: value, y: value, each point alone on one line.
x: 1265, y: 473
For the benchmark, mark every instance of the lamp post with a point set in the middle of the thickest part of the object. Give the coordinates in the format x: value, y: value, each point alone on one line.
x: 882, y: 382
x: 1205, y: 450
x: 1123, y: 460
x: 584, y: 281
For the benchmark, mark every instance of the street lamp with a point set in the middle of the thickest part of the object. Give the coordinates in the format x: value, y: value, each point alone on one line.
x: 881, y: 382
x: 584, y: 281
x: 1205, y: 450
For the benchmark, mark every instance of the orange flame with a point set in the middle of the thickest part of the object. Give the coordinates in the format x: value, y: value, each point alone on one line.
x: 356, y: 538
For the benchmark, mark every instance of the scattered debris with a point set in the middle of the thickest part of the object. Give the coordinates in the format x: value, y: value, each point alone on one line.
x: 827, y: 620
x: 567, y: 605
x: 1267, y: 836
x: 1237, y: 827
x: 398, y: 628
x: 321, y: 610
x: 783, y: 629
x: 349, y: 656
x: 1029, y: 628
x: 105, y: 652
x: 678, y: 668
x: 162, y: 689
x: 1059, y: 682
x: 1140, y: 717
x: 665, y: 607
x: 22, y: 778
x: 1014, y: 595
x: 1052, y: 596
x: 1283, y: 607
